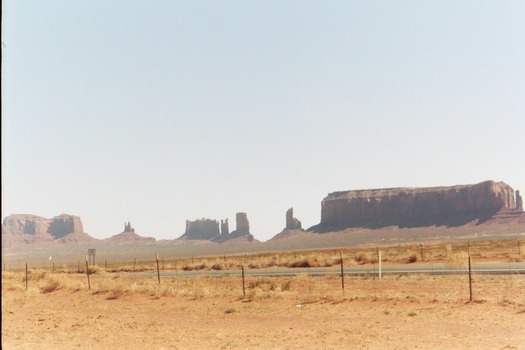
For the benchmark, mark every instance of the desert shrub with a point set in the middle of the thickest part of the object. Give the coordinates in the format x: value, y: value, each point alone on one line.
x: 201, y: 266
x: 35, y: 275
x: 362, y: 259
x: 115, y: 293
x: 286, y: 286
x: 412, y: 258
x: 299, y: 263
x: 94, y: 269
x: 216, y: 266
x: 262, y: 284
x: 51, y: 284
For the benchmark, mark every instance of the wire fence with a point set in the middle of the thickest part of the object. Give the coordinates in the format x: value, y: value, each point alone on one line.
x: 317, y: 275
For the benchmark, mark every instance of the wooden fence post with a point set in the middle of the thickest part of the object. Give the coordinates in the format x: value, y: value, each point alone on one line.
x: 158, y: 271
x: 26, y: 275
x: 243, y: 287
x: 342, y: 274
x: 469, y: 273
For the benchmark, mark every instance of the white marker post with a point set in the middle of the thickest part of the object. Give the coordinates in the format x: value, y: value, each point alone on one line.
x: 380, y: 264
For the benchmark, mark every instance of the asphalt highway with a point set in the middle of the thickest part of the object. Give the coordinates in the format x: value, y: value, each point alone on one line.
x: 499, y: 268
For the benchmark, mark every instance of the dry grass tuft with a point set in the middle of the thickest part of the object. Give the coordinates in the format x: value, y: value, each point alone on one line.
x: 51, y: 284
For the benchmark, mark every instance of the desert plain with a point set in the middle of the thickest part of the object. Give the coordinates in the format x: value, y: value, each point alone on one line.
x: 117, y: 308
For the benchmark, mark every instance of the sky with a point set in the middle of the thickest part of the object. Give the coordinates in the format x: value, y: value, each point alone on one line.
x: 157, y: 112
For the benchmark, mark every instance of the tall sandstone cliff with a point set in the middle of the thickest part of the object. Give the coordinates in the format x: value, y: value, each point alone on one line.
x: 412, y: 207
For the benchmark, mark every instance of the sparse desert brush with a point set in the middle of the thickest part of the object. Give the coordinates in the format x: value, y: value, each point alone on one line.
x: 95, y: 269
x: 362, y: 258
x: 216, y: 266
x: 35, y: 275
x: 459, y: 259
x: 412, y: 258
x: 51, y: 284
x: 116, y: 292
x: 196, y: 267
x: 165, y: 291
x: 299, y: 263
x: 286, y: 286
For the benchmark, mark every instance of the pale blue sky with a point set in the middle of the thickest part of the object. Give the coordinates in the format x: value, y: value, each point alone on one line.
x: 156, y: 112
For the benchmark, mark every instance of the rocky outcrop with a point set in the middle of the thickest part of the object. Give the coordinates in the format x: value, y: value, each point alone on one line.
x: 55, y: 228
x: 128, y: 228
x: 128, y: 236
x: 62, y: 225
x: 22, y: 230
x: 201, y: 229
x: 291, y: 222
x: 242, y: 224
x: 242, y: 230
x: 413, y: 207
x: 519, y: 201
x: 208, y: 229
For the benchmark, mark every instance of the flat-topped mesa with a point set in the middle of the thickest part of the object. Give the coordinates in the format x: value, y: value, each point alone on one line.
x: 291, y: 222
x: 202, y: 229
x: 412, y: 207
x: 34, y: 225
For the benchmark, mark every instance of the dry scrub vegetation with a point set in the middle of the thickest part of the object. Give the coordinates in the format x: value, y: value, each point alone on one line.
x: 446, y: 253
x: 302, y: 288
x: 122, y: 310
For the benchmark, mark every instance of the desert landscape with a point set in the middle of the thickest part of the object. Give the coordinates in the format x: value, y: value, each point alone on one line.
x: 321, y: 288
x: 116, y: 307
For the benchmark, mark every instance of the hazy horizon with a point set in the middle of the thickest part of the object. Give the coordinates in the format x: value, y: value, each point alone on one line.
x: 160, y: 112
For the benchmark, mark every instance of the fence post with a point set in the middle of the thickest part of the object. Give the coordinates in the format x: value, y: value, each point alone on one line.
x: 26, y: 274
x: 421, y: 251
x: 87, y: 273
x: 380, y: 272
x: 158, y: 271
x: 342, y: 274
x: 469, y: 273
x: 243, y: 288
x: 134, y: 263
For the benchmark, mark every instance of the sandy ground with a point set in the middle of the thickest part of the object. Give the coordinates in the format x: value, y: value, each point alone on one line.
x: 75, y: 318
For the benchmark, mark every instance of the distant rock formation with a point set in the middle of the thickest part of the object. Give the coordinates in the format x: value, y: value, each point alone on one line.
x: 19, y: 230
x: 208, y: 229
x: 413, y: 207
x: 519, y: 201
x: 225, y: 230
x: 28, y: 224
x: 201, y: 229
x: 293, y: 227
x: 128, y: 228
x: 128, y: 236
x: 242, y: 225
x: 291, y: 222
